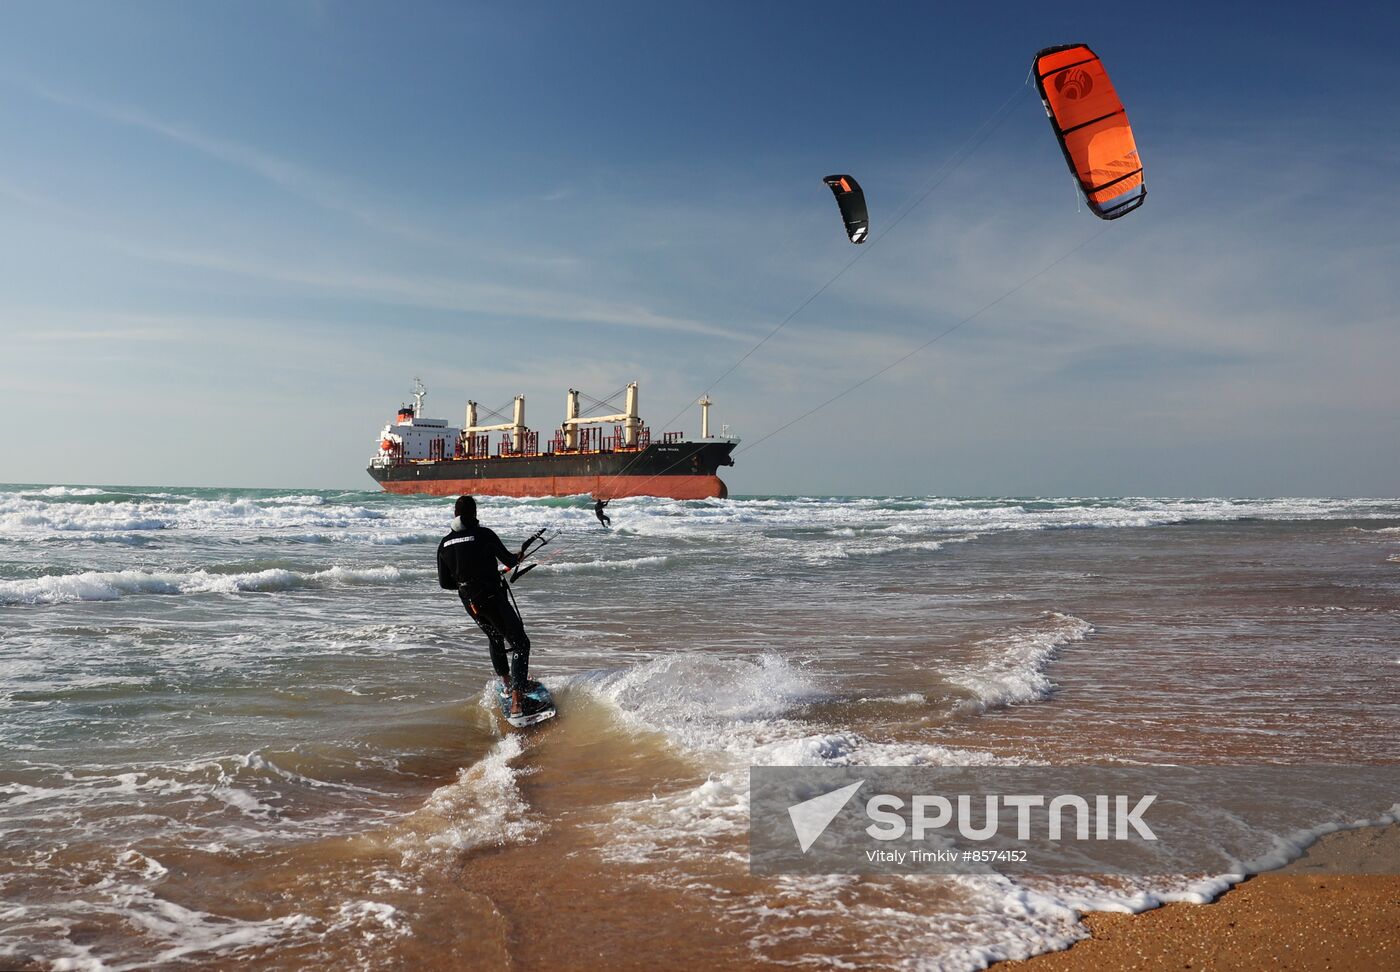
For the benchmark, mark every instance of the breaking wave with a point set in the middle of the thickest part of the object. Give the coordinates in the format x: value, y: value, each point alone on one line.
x: 600, y: 565
x: 483, y: 806
x: 736, y: 713
x: 113, y: 585
x: 1012, y: 669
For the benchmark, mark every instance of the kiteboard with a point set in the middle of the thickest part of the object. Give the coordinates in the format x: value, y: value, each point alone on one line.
x: 537, y: 704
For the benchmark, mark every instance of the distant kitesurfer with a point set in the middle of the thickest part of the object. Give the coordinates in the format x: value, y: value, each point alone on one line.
x: 603, y: 518
x: 466, y: 560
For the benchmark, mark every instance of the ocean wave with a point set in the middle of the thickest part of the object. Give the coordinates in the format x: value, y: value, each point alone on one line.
x: 31, y: 516
x: 981, y: 918
x: 826, y: 553
x: 60, y: 934
x: 90, y: 519
x: 1012, y: 669
x: 292, y: 499
x: 113, y: 585
x: 139, y: 538
x: 600, y: 565
x: 690, y: 695
x: 735, y: 713
x: 483, y: 806
x: 844, y: 521
x: 246, y: 798
x: 380, y: 539
x: 749, y: 711
x: 849, y: 524
x: 716, y: 709
x: 66, y: 491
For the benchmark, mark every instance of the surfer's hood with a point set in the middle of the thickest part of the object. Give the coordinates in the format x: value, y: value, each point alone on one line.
x: 461, y: 525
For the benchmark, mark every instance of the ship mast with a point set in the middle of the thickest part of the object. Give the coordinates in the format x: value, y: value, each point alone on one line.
x: 420, y: 392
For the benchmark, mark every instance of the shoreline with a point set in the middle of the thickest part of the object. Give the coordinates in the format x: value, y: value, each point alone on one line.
x: 1317, y: 912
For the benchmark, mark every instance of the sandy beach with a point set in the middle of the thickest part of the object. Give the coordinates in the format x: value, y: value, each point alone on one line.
x: 1307, y: 915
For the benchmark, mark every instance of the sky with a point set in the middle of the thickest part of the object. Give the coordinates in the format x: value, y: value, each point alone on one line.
x: 231, y: 235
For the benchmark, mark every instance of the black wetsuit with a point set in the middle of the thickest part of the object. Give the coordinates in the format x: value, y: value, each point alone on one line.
x: 603, y: 518
x: 466, y: 560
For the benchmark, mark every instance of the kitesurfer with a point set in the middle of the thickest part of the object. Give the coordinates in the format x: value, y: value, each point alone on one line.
x: 466, y: 561
x: 603, y: 518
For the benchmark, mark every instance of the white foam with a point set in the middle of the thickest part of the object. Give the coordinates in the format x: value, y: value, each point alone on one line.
x: 600, y: 565
x: 734, y: 713
x: 295, y: 499
x: 65, y: 491
x: 370, y: 920
x: 482, y: 807
x: 1012, y: 668
x: 248, y: 794
x: 147, y: 867
x: 112, y: 585
x: 848, y: 524
x: 242, y: 801
x: 173, y: 931
x: 909, y: 698
x: 659, y: 517
x: 685, y: 693
x: 379, y: 539
x: 746, y: 710
x: 30, y: 515
x: 189, y: 931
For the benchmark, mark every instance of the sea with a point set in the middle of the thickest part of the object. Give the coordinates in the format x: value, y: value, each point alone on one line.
x: 246, y: 728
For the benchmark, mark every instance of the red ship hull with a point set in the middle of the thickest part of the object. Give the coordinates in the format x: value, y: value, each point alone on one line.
x: 602, y: 487
x: 677, y: 470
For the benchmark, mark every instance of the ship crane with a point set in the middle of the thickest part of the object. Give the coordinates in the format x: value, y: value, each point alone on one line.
x: 516, y: 426
x: 631, y: 421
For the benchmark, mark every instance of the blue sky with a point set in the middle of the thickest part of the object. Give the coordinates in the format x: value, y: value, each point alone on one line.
x: 231, y: 235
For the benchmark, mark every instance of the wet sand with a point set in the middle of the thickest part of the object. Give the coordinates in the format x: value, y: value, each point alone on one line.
x: 1306, y: 915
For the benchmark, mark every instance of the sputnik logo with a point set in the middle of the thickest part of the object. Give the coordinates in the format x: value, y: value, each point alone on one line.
x: 810, y: 818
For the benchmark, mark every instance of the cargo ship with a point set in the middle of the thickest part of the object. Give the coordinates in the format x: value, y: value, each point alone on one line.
x: 426, y: 455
